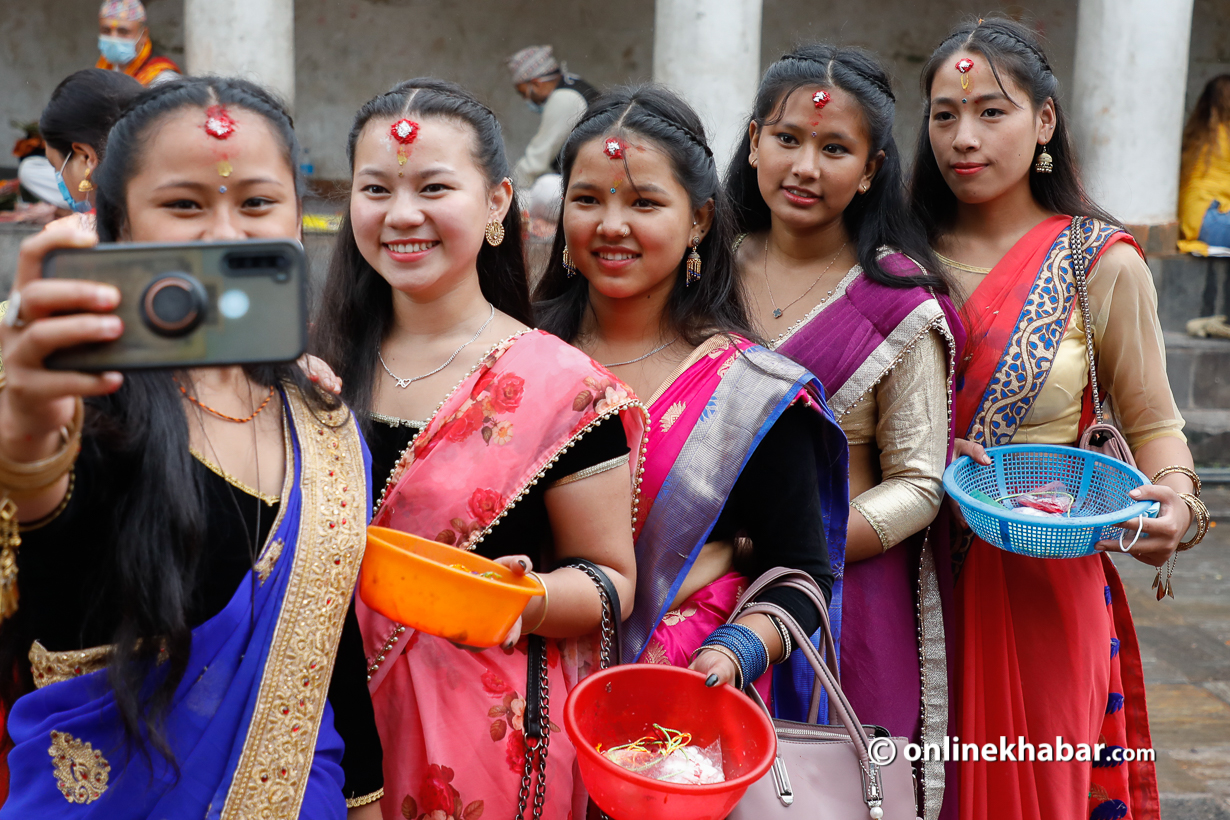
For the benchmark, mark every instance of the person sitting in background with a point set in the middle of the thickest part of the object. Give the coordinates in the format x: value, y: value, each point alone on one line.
x: 75, y: 125
x: 560, y: 97
x: 123, y: 39
x: 1204, y: 191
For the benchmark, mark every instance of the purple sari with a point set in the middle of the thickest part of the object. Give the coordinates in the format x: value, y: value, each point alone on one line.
x: 250, y: 725
x: 895, y: 650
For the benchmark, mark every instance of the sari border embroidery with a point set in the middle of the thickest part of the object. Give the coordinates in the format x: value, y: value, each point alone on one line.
x: 275, y: 764
x: 927, y: 316
x: 50, y: 667
x: 1027, y: 358
x: 703, y: 349
x: 81, y: 771
x: 933, y: 672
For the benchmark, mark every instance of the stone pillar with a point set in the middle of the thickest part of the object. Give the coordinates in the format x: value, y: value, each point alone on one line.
x: 253, y: 39
x: 1129, y: 89
x: 709, y: 51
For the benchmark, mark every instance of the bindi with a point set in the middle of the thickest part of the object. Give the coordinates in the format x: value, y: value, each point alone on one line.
x: 404, y: 132
x: 964, y: 66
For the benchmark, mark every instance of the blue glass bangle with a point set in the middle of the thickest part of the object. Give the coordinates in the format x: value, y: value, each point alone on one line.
x: 747, y: 647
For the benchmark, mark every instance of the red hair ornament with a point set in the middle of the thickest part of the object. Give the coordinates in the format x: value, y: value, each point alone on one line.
x: 404, y: 132
x: 965, y: 65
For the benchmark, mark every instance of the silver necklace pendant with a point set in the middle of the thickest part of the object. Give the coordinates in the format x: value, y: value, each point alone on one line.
x: 403, y: 383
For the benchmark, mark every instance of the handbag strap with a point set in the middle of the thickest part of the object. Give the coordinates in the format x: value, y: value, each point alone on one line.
x: 787, y: 578
x: 610, y: 648
x: 1080, y: 263
x: 873, y: 790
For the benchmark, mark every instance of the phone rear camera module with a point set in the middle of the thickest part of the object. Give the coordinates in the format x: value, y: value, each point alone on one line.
x: 173, y: 304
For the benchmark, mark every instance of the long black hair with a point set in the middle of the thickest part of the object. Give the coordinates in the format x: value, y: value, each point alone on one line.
x: 1011, y: 49
x: 83, y: 108
x: 156, y: 523
x: 877, y: 218
x: 356, y: 306
x: 712, y: 304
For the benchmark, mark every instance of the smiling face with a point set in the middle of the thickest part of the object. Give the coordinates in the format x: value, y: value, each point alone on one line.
x: 177, y: 193
x: 984, y: 142
x: 812, y: 162
x: 601, y: 205
x: 420, y: 223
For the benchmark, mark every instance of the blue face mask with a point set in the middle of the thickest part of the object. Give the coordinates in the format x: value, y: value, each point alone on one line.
x: 536, y: 107
x: 83, y: 207
x: 117, y: 50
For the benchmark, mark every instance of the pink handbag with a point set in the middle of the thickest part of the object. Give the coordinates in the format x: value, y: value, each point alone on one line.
x: 837, y: 772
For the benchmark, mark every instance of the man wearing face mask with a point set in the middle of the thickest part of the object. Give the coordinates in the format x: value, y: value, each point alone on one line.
x: 124, y: 41
x: 561, y: 98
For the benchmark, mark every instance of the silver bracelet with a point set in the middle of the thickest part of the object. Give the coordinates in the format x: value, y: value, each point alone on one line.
x: 784, y: 634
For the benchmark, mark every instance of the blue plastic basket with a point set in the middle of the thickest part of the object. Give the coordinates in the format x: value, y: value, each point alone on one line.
x: 1100, y: 486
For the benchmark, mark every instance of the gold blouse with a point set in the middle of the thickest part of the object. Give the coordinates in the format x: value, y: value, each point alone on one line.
x: 1130, y: 352
x: 906, y: 416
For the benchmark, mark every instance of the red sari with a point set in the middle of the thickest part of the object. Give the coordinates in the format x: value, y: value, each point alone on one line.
x: 1045, y: 649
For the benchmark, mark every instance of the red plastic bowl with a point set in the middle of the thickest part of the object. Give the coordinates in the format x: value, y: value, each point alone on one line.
x: 621, y: 704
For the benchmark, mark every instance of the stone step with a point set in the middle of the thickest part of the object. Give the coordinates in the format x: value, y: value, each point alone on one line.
x: 1190, y: 286
x: 1199, y: 371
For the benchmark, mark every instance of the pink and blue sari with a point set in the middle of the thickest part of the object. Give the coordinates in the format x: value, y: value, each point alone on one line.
x: 705, y: 425
x: 250, y: 726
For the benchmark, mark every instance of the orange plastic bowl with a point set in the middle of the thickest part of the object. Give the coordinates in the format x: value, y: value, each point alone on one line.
x: 414, y: 582
x: 622, y: 703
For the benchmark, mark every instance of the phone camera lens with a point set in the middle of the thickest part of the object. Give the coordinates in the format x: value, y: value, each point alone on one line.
x: 173, y: 304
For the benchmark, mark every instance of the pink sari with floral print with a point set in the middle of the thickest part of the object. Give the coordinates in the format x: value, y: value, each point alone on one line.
x: 450, y: 719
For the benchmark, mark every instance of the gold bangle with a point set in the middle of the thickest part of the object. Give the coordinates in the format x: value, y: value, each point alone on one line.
x: 1178, y: 468
x: 54, y: 514
x: 546, y: 602
x: 355, y: 802
x: 1201, y: 513
x: 22, y: 478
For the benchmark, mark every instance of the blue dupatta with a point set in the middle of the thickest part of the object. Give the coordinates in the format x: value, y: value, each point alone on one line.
x: 250, y: 725
x: 755, y: 388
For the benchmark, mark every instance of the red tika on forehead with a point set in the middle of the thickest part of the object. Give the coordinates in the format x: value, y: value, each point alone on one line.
x: 404, y: 131
x: 218, y: 122
x: 613, y: 147
x: 821, y: 98
x: 965, y: 65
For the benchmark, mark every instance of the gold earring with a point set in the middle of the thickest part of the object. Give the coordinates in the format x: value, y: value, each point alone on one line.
x: 494, y: 233
x: 1044, y: 163
x: 569, y: 270
x: 693, y: 262
x: 85, y: 186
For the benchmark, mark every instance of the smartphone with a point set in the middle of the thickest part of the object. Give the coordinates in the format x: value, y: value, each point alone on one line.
x: 195, y: 304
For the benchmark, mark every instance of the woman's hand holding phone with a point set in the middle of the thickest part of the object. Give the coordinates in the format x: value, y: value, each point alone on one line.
x: 44, y: 316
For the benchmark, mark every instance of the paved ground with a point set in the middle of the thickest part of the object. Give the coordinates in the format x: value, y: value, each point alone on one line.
x: 1185, y: 644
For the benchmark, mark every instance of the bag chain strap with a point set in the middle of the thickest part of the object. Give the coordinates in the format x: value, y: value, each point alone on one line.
x: 1076, y: 241
x: 608, y: 625
x: 536, y: 753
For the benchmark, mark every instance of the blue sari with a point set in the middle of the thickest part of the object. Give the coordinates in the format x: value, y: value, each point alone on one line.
x: 250, y: 726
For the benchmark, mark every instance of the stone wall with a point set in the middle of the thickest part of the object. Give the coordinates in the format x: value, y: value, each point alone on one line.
x: 349, y: 50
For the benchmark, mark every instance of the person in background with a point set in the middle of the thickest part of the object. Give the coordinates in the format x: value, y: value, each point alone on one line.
x: 75, y: 125
x: 125, y: 44
x: 561, y: 98
x: 1204, y: 189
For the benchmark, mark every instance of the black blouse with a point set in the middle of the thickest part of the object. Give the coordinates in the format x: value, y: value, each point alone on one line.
x: 526, y: 529
x: 69, y: 594
x: 775, y: 503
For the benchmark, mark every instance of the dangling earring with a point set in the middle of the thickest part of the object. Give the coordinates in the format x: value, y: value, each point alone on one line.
x: 569, y: 270
x: 694, y: 262
x: 494, y: 233
x: 1044, y: 164
x: 85, y: 186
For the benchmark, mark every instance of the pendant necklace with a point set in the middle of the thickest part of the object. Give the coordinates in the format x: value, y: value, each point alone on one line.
x: 777, y: 312
x: 657, y: 349
x: 404, y: 383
